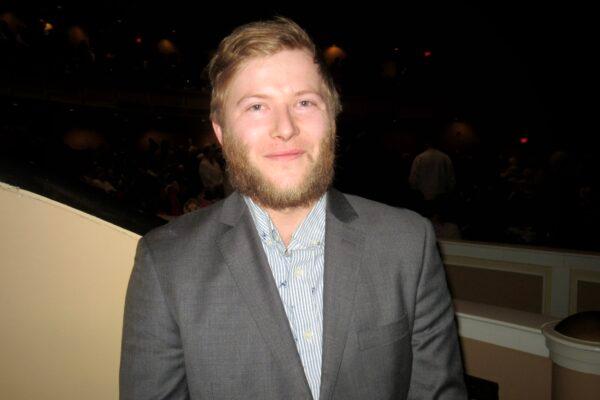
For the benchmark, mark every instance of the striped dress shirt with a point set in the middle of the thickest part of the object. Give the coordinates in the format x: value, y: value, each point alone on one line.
x: 298, y: 273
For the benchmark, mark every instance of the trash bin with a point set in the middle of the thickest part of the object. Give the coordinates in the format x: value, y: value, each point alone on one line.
x: 574, y: 345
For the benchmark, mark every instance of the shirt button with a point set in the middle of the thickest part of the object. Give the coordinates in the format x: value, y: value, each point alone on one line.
x: 287, y: 253
x: 308, y: 335
x: 299, y: 273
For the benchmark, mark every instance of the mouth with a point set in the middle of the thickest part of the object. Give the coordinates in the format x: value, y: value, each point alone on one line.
x: 287, y: 155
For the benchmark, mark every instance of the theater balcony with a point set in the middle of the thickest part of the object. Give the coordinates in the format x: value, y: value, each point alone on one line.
x: 64, y: 273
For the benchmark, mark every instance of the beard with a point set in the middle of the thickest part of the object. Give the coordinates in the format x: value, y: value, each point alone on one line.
x: 250, y: 181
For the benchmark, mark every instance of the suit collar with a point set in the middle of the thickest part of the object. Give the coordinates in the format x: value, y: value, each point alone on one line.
x: 233, y: 208
x: 243, y: 253
x: 344, y: 248
x: 310, y: 231
x: 337, y: 205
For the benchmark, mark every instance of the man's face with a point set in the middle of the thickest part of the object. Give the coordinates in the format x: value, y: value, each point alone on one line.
x: 277, y: 134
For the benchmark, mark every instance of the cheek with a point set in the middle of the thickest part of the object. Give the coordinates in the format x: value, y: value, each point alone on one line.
x: 253, y: 122
x: 248, y: 135
x: 255, y: 132
x: 315, y: 124
x: 315, y: 131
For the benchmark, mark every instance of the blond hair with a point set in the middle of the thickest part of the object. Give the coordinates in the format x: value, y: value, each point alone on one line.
x: 262, y: 39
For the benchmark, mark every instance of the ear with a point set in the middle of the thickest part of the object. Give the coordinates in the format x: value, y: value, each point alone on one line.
x: 218, y: 131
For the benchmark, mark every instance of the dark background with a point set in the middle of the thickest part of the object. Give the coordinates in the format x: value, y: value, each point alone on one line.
x: 490, y: 81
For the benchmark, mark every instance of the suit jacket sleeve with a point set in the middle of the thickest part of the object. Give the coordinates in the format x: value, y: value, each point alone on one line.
x: 437, y: 368
x: 152, y: 363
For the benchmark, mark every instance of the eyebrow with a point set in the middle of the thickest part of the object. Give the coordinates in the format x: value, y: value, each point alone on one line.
x: 258, y: 96
x: 265, y: 96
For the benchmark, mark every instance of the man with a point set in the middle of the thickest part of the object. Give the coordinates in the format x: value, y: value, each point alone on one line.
x: 286, y: 289
x: 432, y: 173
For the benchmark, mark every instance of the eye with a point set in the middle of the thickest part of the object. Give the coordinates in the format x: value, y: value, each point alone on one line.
x: 306, y: 103
x: 256, y: 107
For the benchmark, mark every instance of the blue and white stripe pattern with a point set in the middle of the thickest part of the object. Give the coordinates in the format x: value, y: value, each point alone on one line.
x: 298, y: 273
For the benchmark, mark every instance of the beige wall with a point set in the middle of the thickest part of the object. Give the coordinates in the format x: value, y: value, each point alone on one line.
x: 516, y: 290
x: 519, y: 375
x: 588, y: 296
x: 566, y: 381
x: 63, y: 277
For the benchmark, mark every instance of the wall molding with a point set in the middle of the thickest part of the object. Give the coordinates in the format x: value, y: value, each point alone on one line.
x: 555, y: 265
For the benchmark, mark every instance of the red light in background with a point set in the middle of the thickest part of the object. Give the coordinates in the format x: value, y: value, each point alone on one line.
x: 523, y: 140
x: 138, y: 40
x: 427, y: 53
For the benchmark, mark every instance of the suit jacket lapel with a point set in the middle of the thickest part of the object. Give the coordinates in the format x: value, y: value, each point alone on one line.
x: 343, y: 252
x: 244, y: 255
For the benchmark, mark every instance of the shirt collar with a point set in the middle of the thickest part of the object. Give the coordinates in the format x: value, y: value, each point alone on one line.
x: 310, y: 232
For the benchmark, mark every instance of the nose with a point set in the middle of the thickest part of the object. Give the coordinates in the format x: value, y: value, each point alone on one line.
x: 285, y: 125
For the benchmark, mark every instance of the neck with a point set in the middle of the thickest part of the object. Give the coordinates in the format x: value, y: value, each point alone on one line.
x: 287, y: 220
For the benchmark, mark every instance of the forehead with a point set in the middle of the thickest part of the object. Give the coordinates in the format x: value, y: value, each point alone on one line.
x: 285, y: 71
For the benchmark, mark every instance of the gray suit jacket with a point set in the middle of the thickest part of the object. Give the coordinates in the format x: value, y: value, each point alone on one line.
x: 204, y: 320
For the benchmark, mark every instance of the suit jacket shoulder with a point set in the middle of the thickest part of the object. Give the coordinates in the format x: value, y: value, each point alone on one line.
x: 390, y: 228
x: 185, y: 227
x: 379, y: 214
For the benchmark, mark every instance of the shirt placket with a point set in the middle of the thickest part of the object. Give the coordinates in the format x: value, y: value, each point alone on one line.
x: 304, y: 313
